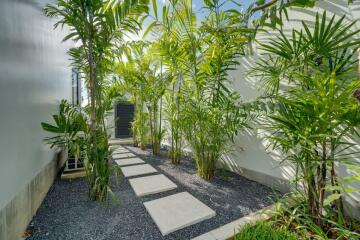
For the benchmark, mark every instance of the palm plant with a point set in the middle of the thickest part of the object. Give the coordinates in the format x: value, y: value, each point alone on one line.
x: 155, y: 86
x: 213, y: 116
x: 146, y: 80
x: 170, y: 49
x: 96, y: 25
x: 315, y: 115
x: 132, y: 80
x: 200, y: 59
x: 154, y: 78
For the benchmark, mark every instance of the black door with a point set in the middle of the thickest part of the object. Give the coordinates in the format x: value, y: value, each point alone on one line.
x: 124, y: 115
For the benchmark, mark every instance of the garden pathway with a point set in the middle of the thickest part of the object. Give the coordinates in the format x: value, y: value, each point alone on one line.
x: 169, y: 213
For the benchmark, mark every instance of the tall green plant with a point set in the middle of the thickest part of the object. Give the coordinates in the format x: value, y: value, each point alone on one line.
x: 170, y: 48
x: 96, y: 25
x: 212, y: 110
x: 146, y: 81
x: 199, y: 100
x: 315, y: 115
x: 132, y: 80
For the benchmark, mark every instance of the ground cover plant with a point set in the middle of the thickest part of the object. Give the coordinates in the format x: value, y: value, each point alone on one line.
x: 295, y: 217
x: 264, y: 231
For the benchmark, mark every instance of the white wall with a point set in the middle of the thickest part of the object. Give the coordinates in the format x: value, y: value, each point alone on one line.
x: 110, y: 122
x: 34, y: 76
x: 250, y: 156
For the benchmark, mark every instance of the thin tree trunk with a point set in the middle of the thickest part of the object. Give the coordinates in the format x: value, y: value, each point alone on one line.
x: 334, y: 183
x: 92, y: 85
x: 322, y: 183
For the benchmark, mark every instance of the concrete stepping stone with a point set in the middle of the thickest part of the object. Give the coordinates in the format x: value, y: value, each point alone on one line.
x: 121, y: 151
x: 151, y: 184
x: 177, y: 211
x: 116, y: 147
x: 128, y: 161
x: 137, y: 170
x: 123, y: 155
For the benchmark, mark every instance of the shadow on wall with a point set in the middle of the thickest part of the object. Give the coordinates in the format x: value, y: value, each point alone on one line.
x: 250, y: 157
x: 32, y: 3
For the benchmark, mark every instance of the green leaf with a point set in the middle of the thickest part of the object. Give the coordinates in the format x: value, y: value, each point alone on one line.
x: 149, y: 29
x: 154, y: 5
x: 331, y: 198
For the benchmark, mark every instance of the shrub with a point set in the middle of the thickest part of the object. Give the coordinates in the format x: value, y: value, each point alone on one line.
x: 309, y: 78
x: 296, y: 216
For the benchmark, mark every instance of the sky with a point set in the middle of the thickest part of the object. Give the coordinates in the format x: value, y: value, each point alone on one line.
x: 199, y: 4
x: 198, y: 9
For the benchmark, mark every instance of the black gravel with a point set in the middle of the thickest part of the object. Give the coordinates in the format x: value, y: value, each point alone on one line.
x: 67, y: 213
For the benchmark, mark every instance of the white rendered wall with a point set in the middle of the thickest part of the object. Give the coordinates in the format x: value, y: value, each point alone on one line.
x: 34, y: 76
x: 250, y: 156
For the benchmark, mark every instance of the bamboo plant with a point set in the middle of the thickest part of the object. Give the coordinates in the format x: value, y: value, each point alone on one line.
x: 170, y: 48
x: 145, y: 80
x: 200, y: 104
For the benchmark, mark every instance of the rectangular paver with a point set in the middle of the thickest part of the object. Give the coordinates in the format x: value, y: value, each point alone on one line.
x: 177, y: 211
x: 137, y: 170
x: 121, y: 151
x: 123, y: 155
x: 128, y: 161
x: 116, y: 147
x: 151, y: 184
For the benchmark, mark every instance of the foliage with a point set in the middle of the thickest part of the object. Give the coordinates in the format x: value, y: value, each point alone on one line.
x: 139, y: 126
x: 174, y: 116
x: 155, y: 87
x: 212, y: 116
x: 294, y: 216
x: 198, y: 100
x: 263, y: 231
x: 144, y: 78
x: 170, y: 49
x: 315, y: 115
x: 69, y: 128
x: 273, y: 11
x: 97, y: 25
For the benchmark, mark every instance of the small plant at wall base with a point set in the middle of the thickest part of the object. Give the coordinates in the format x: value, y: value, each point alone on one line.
x: 69, y: 129
x: 294, y: 216
x: 264, y: 231
x: 314, y: 118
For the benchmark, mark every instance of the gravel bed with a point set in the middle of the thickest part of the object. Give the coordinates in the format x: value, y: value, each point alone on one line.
x: 67, y: 213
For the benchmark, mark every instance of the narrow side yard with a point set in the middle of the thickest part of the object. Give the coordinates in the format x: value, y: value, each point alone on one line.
x: 67, y: 212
